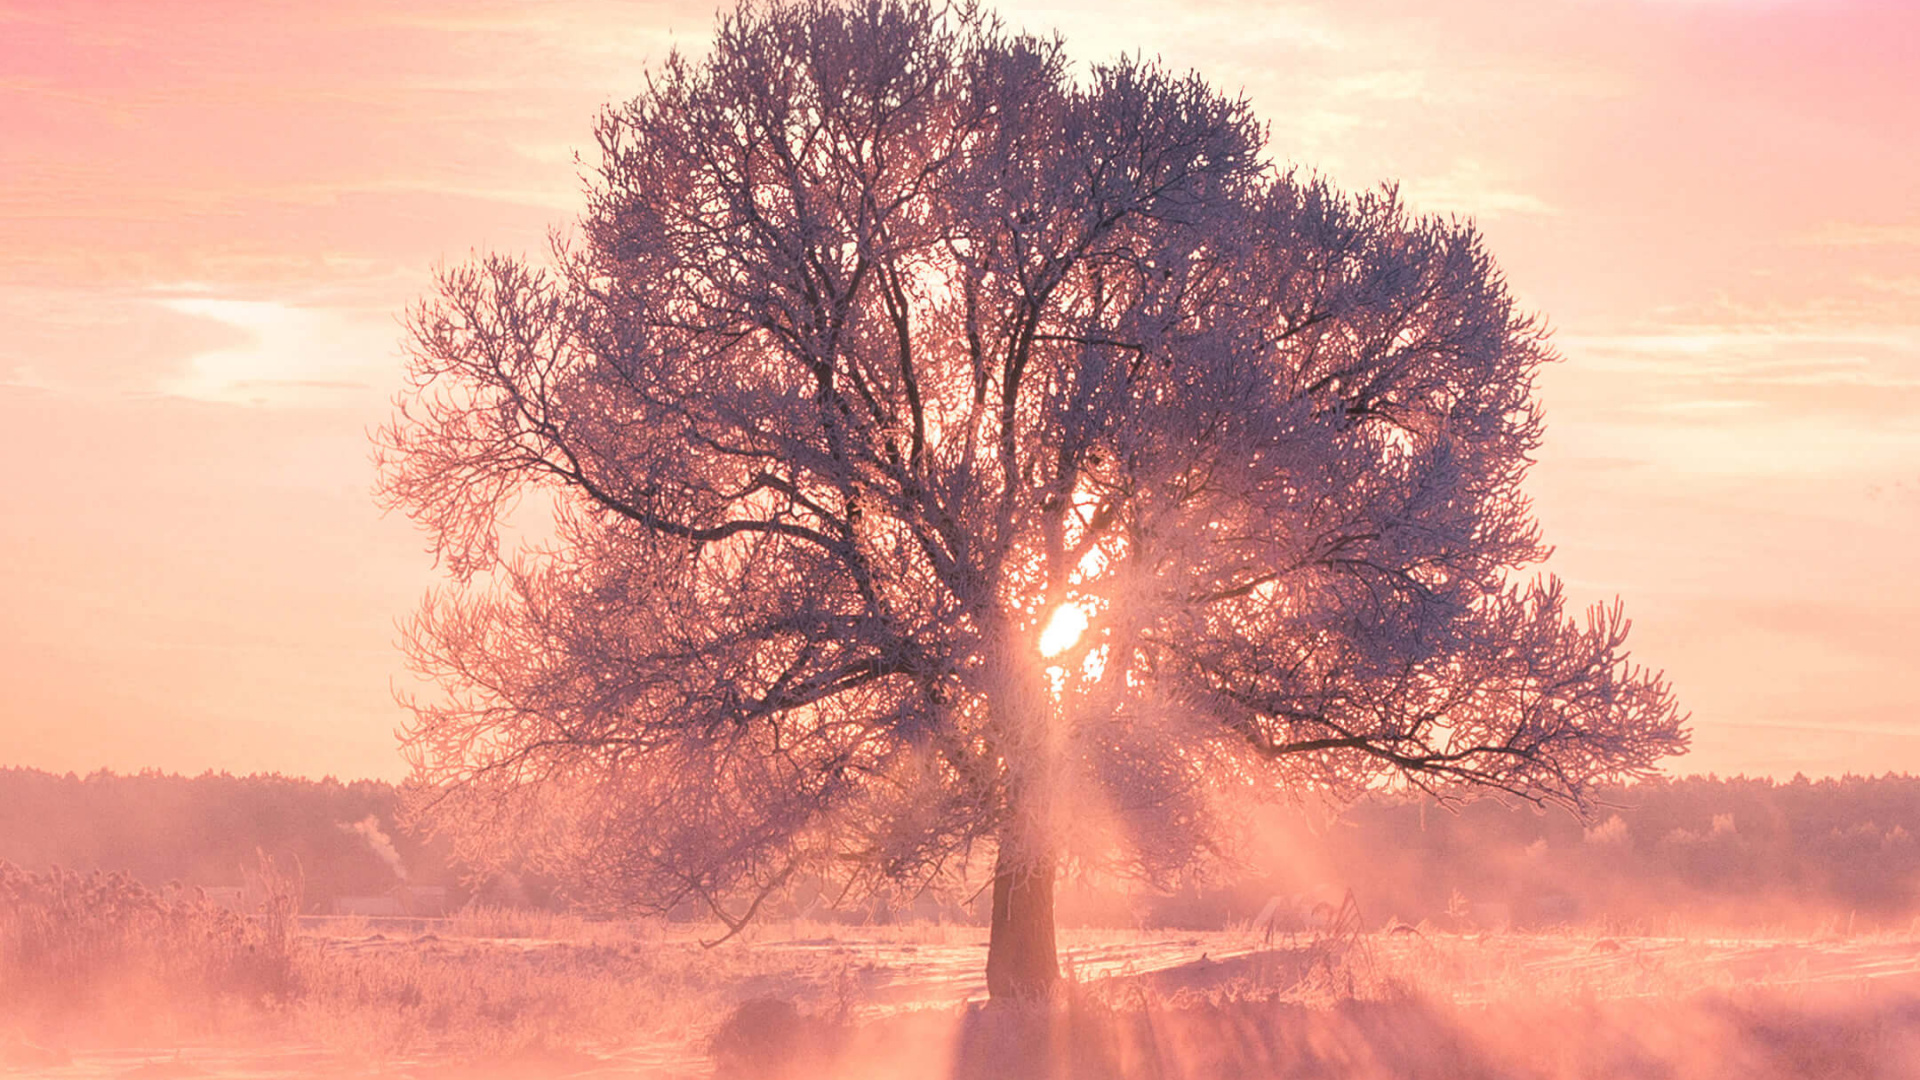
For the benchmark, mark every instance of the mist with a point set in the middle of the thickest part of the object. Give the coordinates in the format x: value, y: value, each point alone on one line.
x: 1694, y: 927
x: 1207, y: 544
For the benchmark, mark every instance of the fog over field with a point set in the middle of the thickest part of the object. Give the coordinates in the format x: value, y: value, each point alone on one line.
x: 884, y: 538
x: 1702, y: 928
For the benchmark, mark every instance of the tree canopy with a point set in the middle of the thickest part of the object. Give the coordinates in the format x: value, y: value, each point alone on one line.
x: 885, y: 342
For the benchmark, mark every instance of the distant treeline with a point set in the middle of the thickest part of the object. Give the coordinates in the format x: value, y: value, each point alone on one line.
x: 209, y: 830
x: 1703, y: 850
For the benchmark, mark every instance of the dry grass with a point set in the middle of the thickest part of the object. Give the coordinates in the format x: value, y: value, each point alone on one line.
x: 1219, y: 1037
x: 86, y: 961
x: 483, y: 921
x: 80, y: 948
x: 1398, y: 1005
x: 1405, y: 1003
x: 378, y: 1000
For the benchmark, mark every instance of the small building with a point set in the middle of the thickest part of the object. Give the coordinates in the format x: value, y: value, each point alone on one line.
x: 1553, y: 908
x: 231, y: 897
x: 1495, y: 915
x: 384, y: 905
x: 403, y: 901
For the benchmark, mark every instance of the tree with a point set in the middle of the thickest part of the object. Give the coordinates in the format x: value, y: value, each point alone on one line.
x: 946, y: 455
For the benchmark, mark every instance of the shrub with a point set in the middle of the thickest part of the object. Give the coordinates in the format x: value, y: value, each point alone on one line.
x: 72, y: 943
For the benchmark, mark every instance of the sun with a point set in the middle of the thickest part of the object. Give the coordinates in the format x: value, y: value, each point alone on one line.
x: 1064, y: 627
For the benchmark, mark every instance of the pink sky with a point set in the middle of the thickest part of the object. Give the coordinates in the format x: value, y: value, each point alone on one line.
x: 211, y: 214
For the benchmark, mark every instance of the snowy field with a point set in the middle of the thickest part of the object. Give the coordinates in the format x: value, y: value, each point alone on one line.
x: 646, y: 1001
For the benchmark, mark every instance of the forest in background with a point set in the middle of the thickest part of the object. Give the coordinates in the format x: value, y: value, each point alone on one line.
x: 1838, y: 854
x: 1699, y: 852
x: 209, y: 831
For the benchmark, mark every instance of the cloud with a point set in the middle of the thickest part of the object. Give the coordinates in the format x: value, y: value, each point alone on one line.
x: 290, y: 354
x: 1855, y: 234
x: 1709, y: 406
x: 1898, y: 286
x: 71, y: 339
x: 1757, y: 353
x: 1851, y: 375
x: 197, y: 341
x: 1471, y: 188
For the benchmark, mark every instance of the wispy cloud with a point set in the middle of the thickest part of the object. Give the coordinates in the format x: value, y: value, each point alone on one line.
x: 1474, y: 189
x: 1856, y: 234
x: 209, y: 205
x: 290, y: 353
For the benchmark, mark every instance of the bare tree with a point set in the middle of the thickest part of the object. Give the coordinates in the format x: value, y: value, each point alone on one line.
x: 888, y: 355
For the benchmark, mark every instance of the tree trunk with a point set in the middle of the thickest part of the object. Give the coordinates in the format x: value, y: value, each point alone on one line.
x: 1021, y: 960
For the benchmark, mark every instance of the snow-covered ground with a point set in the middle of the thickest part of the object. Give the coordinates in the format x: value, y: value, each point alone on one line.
x: 544, y: 999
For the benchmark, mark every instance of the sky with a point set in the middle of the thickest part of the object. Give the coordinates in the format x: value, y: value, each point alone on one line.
x: 213, y: 215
